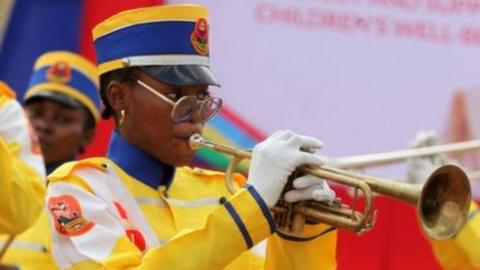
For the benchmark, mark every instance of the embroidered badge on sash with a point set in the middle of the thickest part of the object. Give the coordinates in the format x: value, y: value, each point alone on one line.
x: 59, y: 72
x: 199, y: 36
x: 67, y: 216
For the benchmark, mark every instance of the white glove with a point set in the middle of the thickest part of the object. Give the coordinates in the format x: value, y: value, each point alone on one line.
x: 420, y: 168
x: 274, y: 159
x: 309, y: 187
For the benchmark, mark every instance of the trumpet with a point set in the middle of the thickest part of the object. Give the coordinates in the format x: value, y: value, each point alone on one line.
x: 442, y: 202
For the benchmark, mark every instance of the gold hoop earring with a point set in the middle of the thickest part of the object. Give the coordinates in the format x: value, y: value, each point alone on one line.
x: 122, y: 118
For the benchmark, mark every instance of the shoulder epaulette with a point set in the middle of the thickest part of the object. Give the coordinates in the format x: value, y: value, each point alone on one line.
x: 237, y: 177
x: 67, y: 168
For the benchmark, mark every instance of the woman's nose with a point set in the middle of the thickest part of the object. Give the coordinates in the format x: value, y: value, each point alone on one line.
x: 42, y: 124
x: 197, y: 114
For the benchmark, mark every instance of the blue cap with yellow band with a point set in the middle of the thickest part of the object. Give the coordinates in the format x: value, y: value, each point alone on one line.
x: 169, y: 42
x: 65, y: 77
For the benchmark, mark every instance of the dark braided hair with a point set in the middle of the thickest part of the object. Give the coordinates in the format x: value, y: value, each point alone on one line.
x: 121, y: 75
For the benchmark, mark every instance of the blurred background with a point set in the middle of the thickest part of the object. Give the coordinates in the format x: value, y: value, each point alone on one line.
x: 364, y: 76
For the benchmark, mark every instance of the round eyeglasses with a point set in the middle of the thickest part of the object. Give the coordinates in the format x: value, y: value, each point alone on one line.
x: 189, y: 106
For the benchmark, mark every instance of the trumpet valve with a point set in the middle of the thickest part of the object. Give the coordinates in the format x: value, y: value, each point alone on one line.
x: 298, y: 224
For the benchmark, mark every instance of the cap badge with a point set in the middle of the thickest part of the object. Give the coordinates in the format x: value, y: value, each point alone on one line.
x: 59, y: 72
x: 199, y: 36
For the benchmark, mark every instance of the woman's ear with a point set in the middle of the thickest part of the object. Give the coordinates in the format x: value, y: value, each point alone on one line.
x: 117, y: 95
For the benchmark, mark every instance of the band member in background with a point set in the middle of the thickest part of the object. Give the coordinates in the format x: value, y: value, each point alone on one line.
x: 62, y: 104
x: 141, y: 207
x: 461, y: 252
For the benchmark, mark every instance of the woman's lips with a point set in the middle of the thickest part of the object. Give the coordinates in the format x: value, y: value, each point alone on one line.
x: 181, y: 134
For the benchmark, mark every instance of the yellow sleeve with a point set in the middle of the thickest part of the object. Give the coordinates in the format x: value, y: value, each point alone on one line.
x: 32, y: 248
x: 222, y: 240
x: 462, y: 252
x: 309, y: 253
x: 21, y: 170
x: 229, y: 231
x: 224, y: 237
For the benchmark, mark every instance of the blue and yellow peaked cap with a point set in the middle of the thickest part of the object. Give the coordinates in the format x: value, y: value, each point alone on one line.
x: 169, y: 42
x: 67, y: 78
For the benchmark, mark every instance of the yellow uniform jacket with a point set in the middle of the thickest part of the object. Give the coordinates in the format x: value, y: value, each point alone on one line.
x: 31, y: 249
x: 105, y: 218
x: 22, y: 172
x: 462, y: 252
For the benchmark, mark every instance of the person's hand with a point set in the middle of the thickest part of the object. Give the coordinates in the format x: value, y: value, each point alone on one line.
x: 309, y: 187
x: 274, y: 159
x: 420, y: 168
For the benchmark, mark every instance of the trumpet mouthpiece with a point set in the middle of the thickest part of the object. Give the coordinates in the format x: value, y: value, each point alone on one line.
x: 195, y: 141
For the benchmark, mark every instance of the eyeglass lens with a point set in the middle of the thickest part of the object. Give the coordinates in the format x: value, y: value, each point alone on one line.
x: 187, y: 106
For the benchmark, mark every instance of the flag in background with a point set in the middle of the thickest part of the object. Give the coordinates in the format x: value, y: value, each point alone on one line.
x: 34, y: 27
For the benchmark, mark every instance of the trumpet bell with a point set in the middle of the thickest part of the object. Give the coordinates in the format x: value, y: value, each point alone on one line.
x: 444, y: 202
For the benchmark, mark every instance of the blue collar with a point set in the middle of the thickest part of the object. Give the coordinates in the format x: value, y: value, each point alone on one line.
x: 138, y: 164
